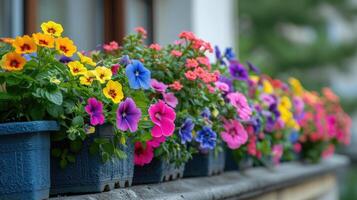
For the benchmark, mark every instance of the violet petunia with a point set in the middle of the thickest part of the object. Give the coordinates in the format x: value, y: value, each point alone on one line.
x: 237, y: 70
x: 94, y: 108
x: 170, y: 99
x: 128, y: 115
x: 158, y: 86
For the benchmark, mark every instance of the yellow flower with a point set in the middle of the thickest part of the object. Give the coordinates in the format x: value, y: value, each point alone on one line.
x: 52, y: 28
x: 285, y: 114
x: 44, y: 40
x: 215, y: 112
x: 13, y: 62
x: 86, y: 59
x: 77, y: 68
x: 113, y: 91
x: 65, y: 46
x: 285, y: 102
x: 87, y: 78
x: 103, y: 74
x: 254, y: 78
x: 267, y: 87
x: 296, y: 86
x: 24, y: 44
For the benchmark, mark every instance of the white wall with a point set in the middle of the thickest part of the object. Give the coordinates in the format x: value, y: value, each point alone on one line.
x: 211, y: 20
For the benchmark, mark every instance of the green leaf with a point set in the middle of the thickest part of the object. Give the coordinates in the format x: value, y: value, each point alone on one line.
x: 63, y: 163
x: 72, y: 136
x: 120, y: 154
x: 37, y: 112
x: 56, y: 152
x: 55, y: 97
x: 54, y: 110
x: 93, y: 149
x: 76, y: 146
x: 71, y: 158
x: 78, y: 121
x: 105, y: 156
x: 6, y: 96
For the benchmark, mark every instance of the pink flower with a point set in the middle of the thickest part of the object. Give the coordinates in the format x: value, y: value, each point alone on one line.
x: 191, y: 63
x: 94, y: 108
x: 176, y: 53
x: 203, y: 61
x: 143, y: 155
x: 158, y: 86
x: 115, y: 69
x: 140, y: 30
x: 221, y: 86
x: 112, y: 46
x: 297, y: 147
x: 239, y: 101
x: 328, y: 152
x: 277, y: 153
x: 155, y: 47
x: 190, y: 75
x: 163, y: 116
x: 170, y: 99
x: 187, y: 35
x: 234, y: 134
x: 156, y: 141
x: 176, y: 85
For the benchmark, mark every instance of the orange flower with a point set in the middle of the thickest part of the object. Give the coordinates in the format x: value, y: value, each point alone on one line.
x: 24, y: 44
x: 13, y: 62
x: 65, y: 46
x: 7, y: 40
x: 44, y: 40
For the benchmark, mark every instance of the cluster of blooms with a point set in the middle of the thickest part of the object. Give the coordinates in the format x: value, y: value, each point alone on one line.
x: 172, y: 100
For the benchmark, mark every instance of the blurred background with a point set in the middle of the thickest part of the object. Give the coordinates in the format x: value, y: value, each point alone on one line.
x: 315, y: 41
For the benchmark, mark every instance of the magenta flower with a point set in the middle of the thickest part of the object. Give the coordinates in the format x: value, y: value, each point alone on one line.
x: 143, y: 155
x: 94, y: 108
x: 163, y: 116
x: 234, y: 134
x: 158, y: 86
x: 277, y: 153
x: 170, y: 99
x: 156, y: 141
x: 128, y: 115
x: 239, y: 101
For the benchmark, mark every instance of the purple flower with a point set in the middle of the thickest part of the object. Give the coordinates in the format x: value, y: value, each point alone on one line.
x: 94, y: 108
x: 65, y: 59
x: 229, y: 54
x: 158, y: 86
x: 125, y: 60
x: 170, y: 99
x: 206, y: 137
x: 128, y: 115
x: 253, y: 68
x: 206, y: 113
x: 227, y: 81
x: 185, y: 130
x: 218, y: 54
x: 237, y: 70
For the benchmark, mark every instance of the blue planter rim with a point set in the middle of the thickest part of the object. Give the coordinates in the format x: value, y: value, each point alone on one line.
x: 28, y: 127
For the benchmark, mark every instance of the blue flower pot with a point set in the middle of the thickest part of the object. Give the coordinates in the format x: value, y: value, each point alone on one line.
x: 205, y: 164
x: 231, y: 164
x: 246, y: 163
x: 25, y: 159
x: 157, y: 171
x: 89, y: 173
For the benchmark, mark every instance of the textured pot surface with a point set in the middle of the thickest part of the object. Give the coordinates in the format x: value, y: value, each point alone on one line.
x: 25, y: 159
x: 89, y: 173
x: 205, y: 164
x: 157, y: 171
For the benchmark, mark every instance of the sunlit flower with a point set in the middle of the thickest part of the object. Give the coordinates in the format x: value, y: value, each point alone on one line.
x: 13, y: 62
x: 77, y: 68
x: 65, y: 46
x: 103, y: 74
x: 24, y: 45
x: 113, y: 91
x: 52, y: 28
x: 87, y: 78
x: 44, y: 40
x: 85, y: 59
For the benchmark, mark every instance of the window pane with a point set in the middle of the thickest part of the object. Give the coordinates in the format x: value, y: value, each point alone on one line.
x: 82, y: 20
x: 11, y: 18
